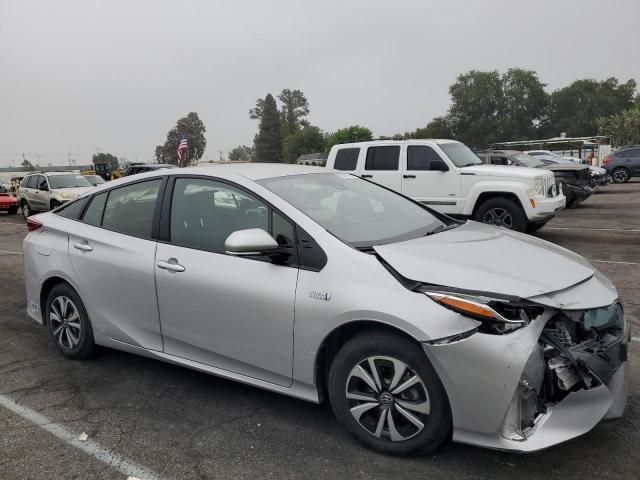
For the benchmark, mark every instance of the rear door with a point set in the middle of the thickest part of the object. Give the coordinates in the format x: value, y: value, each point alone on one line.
x: 437, y: 189
x: 34, y: 195
x: 382, y: 165
x: 112, y: 253
x: 634, y: 160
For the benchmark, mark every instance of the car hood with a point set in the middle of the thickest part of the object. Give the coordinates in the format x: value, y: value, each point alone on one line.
x: 510, y: 171
x: 72, y: 192
x: 480, y: 257
x: 558, y: 167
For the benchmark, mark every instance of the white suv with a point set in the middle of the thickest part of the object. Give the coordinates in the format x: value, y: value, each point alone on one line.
x: 44, y: 191
x: 447, y: 176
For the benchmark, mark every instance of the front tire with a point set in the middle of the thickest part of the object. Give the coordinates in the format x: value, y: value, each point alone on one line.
x: 502, y: 212
x: 385, y: 392
x: 620, y: 175
x: 12, y: 210
x: 68, y: 323
x: 54, y: 204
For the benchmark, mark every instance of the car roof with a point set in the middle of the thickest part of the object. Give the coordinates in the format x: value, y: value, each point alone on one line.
x: 503, y: 152
x: 51, y: 173
x: 413, y: 141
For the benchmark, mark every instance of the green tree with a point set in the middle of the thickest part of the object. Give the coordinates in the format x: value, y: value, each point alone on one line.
x: 241, y: 153
x: 268, y: 142
x: 112, y: 160
x: 27, y: 165
x: 192, y: 126
x: 354, y: 133
x: 576, y: 108
x: 524, y: 106
x: 623, y: 127
x: 477, y: 99
x: 295, y: 108
x: 439, y: 127
x: 256, y: 112
x: 308, y: 139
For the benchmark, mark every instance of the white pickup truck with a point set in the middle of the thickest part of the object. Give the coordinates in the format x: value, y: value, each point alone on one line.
x: 447, y: 176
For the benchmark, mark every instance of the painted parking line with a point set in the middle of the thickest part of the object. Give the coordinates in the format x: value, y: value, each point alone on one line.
x: 614, y: 262
x: 634, y: 230
x: 114, y: 460
x: 13, y: 223
x: 7, y: 252
x: 635, y: 339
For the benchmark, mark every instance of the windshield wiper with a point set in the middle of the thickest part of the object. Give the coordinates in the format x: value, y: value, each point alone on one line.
x: 442, y: 228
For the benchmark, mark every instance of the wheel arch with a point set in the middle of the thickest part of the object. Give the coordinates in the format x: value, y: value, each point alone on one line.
x: 337, y: 338
x: 484, y: 196
x: 47, y: 286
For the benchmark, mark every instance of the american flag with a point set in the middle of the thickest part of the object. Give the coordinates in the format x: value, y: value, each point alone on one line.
x: 182, y: 147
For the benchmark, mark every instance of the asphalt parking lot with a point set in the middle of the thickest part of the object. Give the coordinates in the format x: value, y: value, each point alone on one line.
x: 174, y: 423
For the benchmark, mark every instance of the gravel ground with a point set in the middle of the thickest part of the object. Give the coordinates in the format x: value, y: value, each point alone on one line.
x: 187, y: 425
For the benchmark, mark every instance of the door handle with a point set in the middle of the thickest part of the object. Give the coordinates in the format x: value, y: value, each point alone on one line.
x: 408, y: 176
x: 83, y: 247
x: 171, y: 266
x: 366, y: 176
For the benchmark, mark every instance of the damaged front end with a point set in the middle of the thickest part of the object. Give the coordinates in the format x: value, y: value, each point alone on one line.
x: 531, y: 376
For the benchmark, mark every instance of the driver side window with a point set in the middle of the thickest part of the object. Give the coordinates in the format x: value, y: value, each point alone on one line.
x: 205, y: 212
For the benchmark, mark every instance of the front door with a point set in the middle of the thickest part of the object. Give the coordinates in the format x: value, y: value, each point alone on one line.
x: 439, y: 190
x: 233, y: 313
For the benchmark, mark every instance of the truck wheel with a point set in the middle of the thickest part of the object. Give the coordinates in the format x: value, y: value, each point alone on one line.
x: 502, y: 212
x: 620, y: 175
x: 386, y: 393
x: 55, y: 204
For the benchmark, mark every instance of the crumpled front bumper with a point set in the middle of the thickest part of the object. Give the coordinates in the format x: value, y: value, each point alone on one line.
x: 482, y: 373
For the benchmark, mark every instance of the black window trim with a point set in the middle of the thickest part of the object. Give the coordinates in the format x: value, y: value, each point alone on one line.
x: 343, y: 149
x: 406, y: 157
x: 164, y: 232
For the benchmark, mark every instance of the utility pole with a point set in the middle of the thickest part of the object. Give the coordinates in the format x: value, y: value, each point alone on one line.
x: 69, y: 158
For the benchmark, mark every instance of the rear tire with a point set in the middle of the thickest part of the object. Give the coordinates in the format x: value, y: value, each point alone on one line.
x: 502, y: 212
x: 390, y: 419
x: 620, y: 175
x: 68, y: 323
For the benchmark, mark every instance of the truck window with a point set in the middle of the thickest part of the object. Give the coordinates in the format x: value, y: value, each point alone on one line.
x: 346, y: 159
x: 383, y: 158
x: 419, y: 157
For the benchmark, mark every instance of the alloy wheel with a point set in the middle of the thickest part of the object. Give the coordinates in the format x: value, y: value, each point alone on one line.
x: 620, y: 175
x: 388, y: 399
x: 498, y: 217
x: 65, y: 322
x: 26, y: 210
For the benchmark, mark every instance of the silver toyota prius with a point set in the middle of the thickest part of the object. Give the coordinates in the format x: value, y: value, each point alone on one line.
x: 417, y: 328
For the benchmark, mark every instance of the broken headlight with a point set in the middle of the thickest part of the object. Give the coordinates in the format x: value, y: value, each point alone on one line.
x: 497, y: 316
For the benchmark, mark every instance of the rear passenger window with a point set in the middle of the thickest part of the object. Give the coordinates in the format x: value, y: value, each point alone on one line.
x: 419, y: 157
x: 25, y: 182
x: 93, y: 215
x: 129, y: 209
x: 73, y: 210
x: 346, y: 159
x: 205, y: 212
x: 383, y: 158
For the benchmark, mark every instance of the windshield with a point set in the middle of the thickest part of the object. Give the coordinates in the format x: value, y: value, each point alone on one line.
x: 529, y: 161
x: 95, y: 179
x: 460, y: 154
x: 358, y: 212
x: 67, y: 181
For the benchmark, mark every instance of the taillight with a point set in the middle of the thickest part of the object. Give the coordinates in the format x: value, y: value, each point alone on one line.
x: 33, y: 224
x: 607, y: 159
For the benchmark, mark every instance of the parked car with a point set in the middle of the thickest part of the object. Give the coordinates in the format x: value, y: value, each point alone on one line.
x: 5, y: 187
x: 44, y: 191
x: 571, y: 178
x: 8, y: 203
x: 623, y: 163
x: 146, y: 167
x: 598, y: 177
x: 447, y: 176
x: 94, y: 180
x: 318, y: 284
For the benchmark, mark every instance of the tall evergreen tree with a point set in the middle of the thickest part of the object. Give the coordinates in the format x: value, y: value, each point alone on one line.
x: 268, y: 142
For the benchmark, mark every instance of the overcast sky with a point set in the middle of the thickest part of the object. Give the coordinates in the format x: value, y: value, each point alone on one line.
x: 117, y: 74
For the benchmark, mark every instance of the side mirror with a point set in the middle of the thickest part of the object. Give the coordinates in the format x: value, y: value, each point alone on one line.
x: 439, y: 166
x: 43, y: 188
x: 253, y: 241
